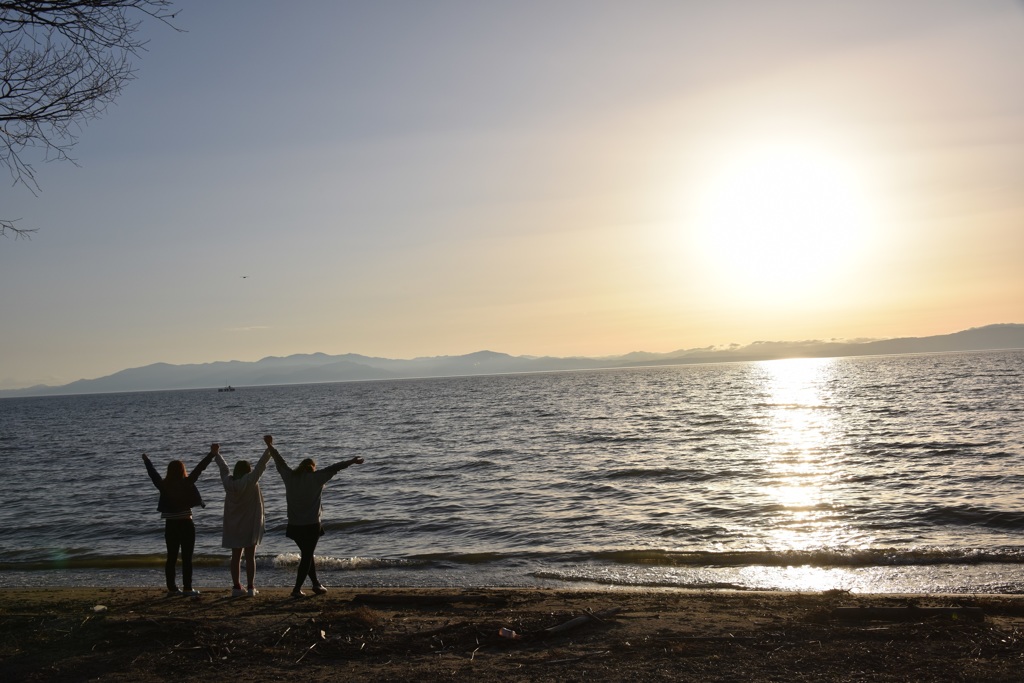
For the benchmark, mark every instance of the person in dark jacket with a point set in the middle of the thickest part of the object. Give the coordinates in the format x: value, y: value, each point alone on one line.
x: 303, y: 488
x: 178, y: 495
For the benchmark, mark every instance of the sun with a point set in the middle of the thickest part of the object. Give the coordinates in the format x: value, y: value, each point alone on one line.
x: 781, y: 221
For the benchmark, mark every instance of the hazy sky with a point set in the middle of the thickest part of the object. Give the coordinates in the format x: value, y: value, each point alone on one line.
x: 545, y: 178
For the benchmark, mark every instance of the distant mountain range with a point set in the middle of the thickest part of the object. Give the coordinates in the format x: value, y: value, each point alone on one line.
x: 321, y: 367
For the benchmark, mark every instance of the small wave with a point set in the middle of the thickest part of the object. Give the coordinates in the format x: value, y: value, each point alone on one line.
x: 933, y: 447
x: 972, y: 515
x: 635, y: 583
x: 492, y: 452
x: 475, y: 465
x: 669, y: 474
x: 368, y: 526
x: 609, y: 438
x: 344, y: 563
x: 106, y: 562
x: 817, y: 558
x: 462, y: 558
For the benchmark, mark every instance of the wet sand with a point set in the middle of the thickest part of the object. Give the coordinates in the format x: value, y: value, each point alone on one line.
x: 79, y: 634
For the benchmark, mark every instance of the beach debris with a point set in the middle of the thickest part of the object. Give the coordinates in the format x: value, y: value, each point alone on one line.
x: 447, y: 626
x: 99, y: 608
x: 908, y: 613
x: 578, y: 658
x: 508, y: 633
x: 426, y: 599
x: 282, y: 636
x: 323, y: 637
x: 580, y: 620
x: 706, y: 639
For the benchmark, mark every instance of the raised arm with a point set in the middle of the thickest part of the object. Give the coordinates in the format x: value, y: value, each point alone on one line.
x: 214, y: 451
x: 222, y: 466
x: 331, y: 470
x: 282, y: 466
x: 153, y: 474
x: 261, y: 465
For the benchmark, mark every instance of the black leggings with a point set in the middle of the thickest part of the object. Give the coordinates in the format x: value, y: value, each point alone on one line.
x: 306, y: 536
x: 179, y: 533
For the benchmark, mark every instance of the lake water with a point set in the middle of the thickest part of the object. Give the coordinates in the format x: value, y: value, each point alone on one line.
x: 882, y: 474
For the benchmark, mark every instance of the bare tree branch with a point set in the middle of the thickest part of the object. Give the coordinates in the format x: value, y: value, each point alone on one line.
x: 9, y: 227
x: 62, y: 63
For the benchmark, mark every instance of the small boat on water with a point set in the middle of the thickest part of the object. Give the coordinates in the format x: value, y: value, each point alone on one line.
x: 227, y: 388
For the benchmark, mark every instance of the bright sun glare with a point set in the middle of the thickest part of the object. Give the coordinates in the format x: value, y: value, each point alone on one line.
x: 781, y: 220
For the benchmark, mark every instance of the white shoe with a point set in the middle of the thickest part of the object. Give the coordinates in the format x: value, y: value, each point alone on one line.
x: 238, y: 592
x: 252, y: 592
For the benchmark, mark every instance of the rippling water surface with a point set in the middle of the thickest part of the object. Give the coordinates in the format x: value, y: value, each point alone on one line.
x: 897, y: 473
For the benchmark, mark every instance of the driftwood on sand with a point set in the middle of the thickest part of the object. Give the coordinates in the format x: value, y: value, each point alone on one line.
x: 580, y: 620
x: 908, y: 613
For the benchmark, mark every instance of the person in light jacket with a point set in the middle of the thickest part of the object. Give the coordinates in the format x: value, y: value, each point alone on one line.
x: 243, y: 519
x: 178, y: 495
x: 304, y: 487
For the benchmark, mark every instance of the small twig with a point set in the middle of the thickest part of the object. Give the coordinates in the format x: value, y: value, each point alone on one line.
x: 435, y: 631
x: 282, y: 636
x: 308, y: 650
x: 323, y: 636
x: 703, y: 639
x: 578, y: 621
x: 577, y: 659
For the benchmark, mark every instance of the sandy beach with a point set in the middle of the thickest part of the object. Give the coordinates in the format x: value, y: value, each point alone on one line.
x: 78, y: 634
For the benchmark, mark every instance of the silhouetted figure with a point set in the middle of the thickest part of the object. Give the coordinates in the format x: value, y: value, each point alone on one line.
x: 178, y: 495
x: 304, y: 487
x: 243, y: 519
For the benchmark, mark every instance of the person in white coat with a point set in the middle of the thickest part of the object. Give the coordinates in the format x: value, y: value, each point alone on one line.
x: 243, y: 519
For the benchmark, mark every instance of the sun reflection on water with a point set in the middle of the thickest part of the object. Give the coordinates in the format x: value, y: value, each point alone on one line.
x: 801, y: 446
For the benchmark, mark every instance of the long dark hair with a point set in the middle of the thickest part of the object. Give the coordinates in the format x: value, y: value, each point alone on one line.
x: 242, y: 468
x: 176, y: 471
x: 307, y: 465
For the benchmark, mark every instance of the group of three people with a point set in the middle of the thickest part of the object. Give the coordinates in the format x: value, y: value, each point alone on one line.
x: 243, y: 514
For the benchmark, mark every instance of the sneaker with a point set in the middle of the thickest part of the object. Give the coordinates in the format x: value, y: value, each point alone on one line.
x: 237, y: 592
x: 252, y: 592
x: 319, y: 589
x: 191, y: 593
x: 298, y: 594
x: 173, y: 592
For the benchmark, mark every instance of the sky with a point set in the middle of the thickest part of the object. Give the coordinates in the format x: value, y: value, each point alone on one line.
x: 406, y: 179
